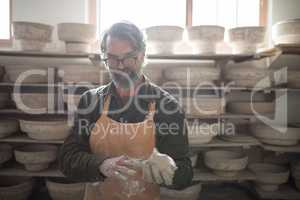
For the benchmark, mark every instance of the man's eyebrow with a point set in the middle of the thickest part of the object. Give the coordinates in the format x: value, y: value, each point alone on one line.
x: 123, y: 55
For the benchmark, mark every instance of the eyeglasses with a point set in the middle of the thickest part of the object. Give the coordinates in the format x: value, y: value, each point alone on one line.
x: 113, y: 61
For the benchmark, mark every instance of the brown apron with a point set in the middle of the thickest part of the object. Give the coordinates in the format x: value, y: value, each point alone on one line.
x: 114, y: 139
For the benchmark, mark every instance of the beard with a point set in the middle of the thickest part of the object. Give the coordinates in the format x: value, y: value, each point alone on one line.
x: 125, y: 78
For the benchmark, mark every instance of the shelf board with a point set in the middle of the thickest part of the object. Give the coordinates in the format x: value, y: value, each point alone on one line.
x: 205, y: 175
x: 46, y: 59
x: 216, y: 57
x: 285, y: 192
x: 283, y: 149
x: 17, y: 114
x: 22, y: 138
x: 19, y: 170
x: 225, y: 116
x: 217, y: 142
x: 292, y: 49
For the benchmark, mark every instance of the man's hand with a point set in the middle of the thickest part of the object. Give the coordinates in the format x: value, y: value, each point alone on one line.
x: 114, y: 167
x: 159, y: 168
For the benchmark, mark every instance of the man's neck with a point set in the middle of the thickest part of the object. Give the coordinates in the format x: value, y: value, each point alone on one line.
x: 128, y: 92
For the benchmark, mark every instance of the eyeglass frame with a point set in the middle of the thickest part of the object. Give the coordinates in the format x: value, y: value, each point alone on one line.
x: 132, y: 54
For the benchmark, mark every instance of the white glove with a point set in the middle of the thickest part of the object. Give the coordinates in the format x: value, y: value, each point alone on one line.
x: 114, y: 167
x: 159, y: 168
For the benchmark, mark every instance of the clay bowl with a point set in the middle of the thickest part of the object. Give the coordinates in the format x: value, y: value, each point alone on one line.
x: 80, y: 74
x: 192, y: 76
x: 76, y: 32
x: 32, y: 102
x: 15, y: 188
x: 225, y: 163
x: 63, y: 189
x: 269, y: 135
x: 191, y: 193
x: 4, y: 98
x: 246, y: 39
x: 36, y: 157
x: 164, y: 33
x: 246, y: 107
x: 286, y: 32
x: 204, y: 39
x: 78, y: 47
x: 45, y: 130
x: 269, y: 176
x: 203, y: 106
x: 32, y: 31
x: 26, y: 74
x: 8, y: 127
x: 202, y: 134
x: 6, y: 153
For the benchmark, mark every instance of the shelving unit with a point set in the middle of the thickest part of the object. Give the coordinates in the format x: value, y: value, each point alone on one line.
x: 205, y: 176
x: 53, y: 59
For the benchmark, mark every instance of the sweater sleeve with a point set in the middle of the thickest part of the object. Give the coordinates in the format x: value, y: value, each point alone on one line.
x: 75, y: 158
x: 172, y: 140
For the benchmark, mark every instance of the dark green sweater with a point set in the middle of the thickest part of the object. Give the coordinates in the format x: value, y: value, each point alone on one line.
x: 75, y: 158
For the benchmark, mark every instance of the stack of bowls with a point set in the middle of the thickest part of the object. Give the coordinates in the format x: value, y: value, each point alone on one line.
x: 32, y: 36
x: 78, y: 37
x: 247, y: 39
x: 203, y: 106
x: 202, y: 133
x: 45, y: 130
x: 204, y: 39
x: 35, y: 103
x: 275, y: 134
x: 26, y: 74
x: 225, y: 163
x: 163, y: 39
x: 64, y: 189
x: 36, y: 157
x: 269, y: 176
x: 15, y: 188
x: 192, y: 74
x: 286, y: 32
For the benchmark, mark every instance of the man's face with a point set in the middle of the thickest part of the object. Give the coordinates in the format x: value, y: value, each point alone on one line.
x: 123, y: 61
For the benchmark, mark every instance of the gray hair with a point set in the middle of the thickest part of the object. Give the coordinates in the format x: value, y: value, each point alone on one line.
x: 126, y: 31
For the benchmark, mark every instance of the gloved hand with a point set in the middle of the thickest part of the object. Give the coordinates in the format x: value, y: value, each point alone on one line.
x: 114, y: 167
x: 159, y: 168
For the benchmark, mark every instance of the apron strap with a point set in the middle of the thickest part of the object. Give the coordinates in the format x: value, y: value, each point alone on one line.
x: 106, y: 104
x: 152, y: 110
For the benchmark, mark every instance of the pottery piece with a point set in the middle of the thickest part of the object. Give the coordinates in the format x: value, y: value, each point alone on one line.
x: 225, y: 163
x: 63, y: 189
x: 269, y: 176
x: 45, y: 130
x: 36, y: 157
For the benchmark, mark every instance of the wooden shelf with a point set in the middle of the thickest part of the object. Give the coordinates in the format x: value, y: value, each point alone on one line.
x: 17, y: 114
x: 292, y: 49
x: 47, y: 59
x: 283, y: 149
x: 205, y: 175
x: 285, y: 192
x: 19, y: 170
x: 217, y: 142
x: 216, y: 57
x: 22, y: 138
x: 225, y: 116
